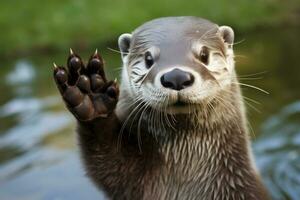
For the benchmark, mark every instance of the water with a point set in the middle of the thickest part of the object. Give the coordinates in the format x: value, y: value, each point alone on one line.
x: 39, y: 158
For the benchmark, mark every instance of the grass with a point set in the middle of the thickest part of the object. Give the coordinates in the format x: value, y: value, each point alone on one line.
x: 32, y: 24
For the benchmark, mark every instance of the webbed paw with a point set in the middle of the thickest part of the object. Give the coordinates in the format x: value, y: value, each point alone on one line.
x: 85, y: 89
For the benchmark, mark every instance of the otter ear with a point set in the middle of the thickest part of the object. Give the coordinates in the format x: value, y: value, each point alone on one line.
x: 227, y: 35
x: 124, y: 44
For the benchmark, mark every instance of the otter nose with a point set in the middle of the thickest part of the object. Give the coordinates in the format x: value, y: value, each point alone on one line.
x: 177, y: 79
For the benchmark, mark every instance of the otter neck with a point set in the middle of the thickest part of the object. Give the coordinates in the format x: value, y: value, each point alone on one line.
x: 213, y: 156
x: 206, y: 143
x: 210, y: 161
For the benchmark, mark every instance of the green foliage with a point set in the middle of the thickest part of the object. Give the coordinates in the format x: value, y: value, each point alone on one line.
x: 57, y: 24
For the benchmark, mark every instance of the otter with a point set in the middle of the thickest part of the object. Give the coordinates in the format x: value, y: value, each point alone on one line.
x: 175, y: 128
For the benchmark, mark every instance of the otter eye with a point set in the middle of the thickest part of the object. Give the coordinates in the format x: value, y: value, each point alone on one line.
x: 204, y: 55
x: 148, y: 59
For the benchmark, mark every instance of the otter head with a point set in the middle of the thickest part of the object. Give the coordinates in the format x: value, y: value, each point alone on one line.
x: 171, y: 63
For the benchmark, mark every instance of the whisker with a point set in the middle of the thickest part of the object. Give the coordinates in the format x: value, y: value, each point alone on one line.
x: 125, y: 124
x: 117, y: 68
x: 114, y: 50
x: 258, y: 78
x: 249, y: 75
x: 252, y: 86
x: 139, y: 127
x: 252, y: 100
x: 239, y: 42
x: 253, y: 107
x: 240, y: 56
x: 251, y: 129
x: 245, y: 97
x: 117, y: 51
x: 167, y: 116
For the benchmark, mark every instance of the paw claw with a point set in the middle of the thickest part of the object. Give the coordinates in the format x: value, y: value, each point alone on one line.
x: 54, y: 65
x: 96, y: 52
x: 71, y: 52
x: 95, y: 65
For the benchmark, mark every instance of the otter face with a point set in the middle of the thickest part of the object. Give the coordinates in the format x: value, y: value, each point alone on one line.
x: 172, y: 63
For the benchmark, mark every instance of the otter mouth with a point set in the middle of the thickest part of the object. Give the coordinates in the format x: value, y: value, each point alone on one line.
x: 178, y: 107
x: 179, y: 103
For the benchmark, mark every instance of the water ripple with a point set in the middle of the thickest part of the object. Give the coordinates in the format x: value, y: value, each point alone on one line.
x: 278, y: 153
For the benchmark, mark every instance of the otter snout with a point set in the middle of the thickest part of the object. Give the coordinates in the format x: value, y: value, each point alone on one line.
x: 177, y: 79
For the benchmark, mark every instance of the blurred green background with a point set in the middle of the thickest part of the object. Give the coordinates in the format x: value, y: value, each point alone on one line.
x: 37, y: 26
x: 39, y: 158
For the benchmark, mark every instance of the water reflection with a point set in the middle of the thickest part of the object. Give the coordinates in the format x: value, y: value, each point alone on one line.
x: 278, y: 153
x: 39, y: 158
x: 31, y: 121
x: 46, y: 174
x: 23, y: 73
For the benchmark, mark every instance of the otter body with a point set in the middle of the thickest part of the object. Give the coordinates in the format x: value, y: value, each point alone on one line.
x: 177, y: 130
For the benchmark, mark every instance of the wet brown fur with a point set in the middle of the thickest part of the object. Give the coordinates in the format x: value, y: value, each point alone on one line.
x: 210, y: 161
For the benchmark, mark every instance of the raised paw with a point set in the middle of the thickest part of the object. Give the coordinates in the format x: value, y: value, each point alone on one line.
x: 85, y: 89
